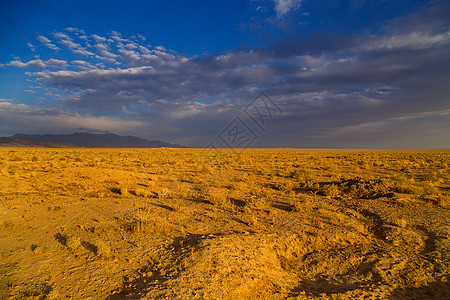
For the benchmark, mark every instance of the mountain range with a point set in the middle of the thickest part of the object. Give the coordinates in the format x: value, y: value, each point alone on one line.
x: 79, y: 139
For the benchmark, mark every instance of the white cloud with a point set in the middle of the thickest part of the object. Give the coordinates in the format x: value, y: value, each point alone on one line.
x: 83, y: 52
x: 47, y: 42
x: 83, y: 63
x: 411, y: 40
x: 108, y: 59
x: 38, y: 63
x: 71, y: 45
x: 98, y: 38
x: 131, y: 46
x: 61, y: 35
x: 282, y: 7
x: 75, y: 30
x: 118, y: 37
x: 130, y: 54
x: 104, y: 50
x: 35, y: 63
x: 31, y: 46
x: 57, y: 63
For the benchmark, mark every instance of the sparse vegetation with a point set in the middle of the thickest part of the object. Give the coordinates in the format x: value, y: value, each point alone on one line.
x: 124, y: 191
x: 103, y: 250
x: 155, y: 223
x: 401, y: 223
x: 73, y: 243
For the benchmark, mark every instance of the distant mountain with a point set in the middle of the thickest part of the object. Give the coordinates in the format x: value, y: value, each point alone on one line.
x: 91, y: 140
x: 7, y: 142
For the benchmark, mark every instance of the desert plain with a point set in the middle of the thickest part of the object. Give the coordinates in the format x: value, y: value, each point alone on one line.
x: 224, y: 224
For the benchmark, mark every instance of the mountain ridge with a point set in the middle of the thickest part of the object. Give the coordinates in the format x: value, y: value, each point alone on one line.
x: 87, y: 140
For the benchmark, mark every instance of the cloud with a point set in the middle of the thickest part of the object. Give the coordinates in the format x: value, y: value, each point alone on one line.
x: 282, y: 7
x: 130, y: 54
x: 331, y: 88
x: 57, y: 63
x: 117, y: 36
x: 35, y: 63
x: 65, y: 40
x: 38, y: 63
x: 18, y: 117
x: 47, y: 42
x: 98, y: 38
x: 31, y: 46
x: 104, y: 50
x: 75, y: 30
x: 84, y: 65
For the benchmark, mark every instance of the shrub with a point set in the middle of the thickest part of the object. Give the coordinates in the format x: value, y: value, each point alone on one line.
x: 141, y: 192
x: 401, y: 223
x: 215, y: 197
x: 430, y: 189
x: 253, y: 220
x: 124, y: 191
x: 73, y: 243
x: 103, y: 250
x: 163, y: 194
x: 444, y: 201
x: 330, y: 191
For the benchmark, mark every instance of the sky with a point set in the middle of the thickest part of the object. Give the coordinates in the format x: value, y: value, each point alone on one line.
x: 249, y: 73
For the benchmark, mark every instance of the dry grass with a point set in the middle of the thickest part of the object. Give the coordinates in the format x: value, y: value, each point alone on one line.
x: 73, y: 243
x: 103, y: 250
x: 401, y: 223
x: 268, y: 224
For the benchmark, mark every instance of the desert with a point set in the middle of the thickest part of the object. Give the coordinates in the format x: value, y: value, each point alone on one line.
x: 220, y: 224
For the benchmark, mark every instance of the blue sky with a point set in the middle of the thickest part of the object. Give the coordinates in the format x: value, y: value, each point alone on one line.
x: 347, y: 74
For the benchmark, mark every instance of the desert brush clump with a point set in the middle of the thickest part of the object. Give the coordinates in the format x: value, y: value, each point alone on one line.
x: 215, y: 196
x: 73, y: 243
x: 124, y: 191
x: 401, y: 222
x: 103, y: 250
x: 140, y: 192
x: 164, y: 193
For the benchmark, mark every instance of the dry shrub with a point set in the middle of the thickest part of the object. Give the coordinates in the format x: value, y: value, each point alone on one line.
x: 329, y: 190
x: 401, y: 223
x: 215, y: 196
x: 73, y: 243
x: 145, y: 223
x: 163, y: 194
x: 256, y: 203
x: 253, y: 220
x: 124, y: 191
x: 103, y: 250
x: 430, y: 189
x: 404, y: 188
x: 37, y: 249
x: 142, y: 193
x: 361, y: 188
x: 444, y: 201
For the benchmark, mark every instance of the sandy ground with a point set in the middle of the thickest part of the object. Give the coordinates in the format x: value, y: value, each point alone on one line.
x: 182, y: 224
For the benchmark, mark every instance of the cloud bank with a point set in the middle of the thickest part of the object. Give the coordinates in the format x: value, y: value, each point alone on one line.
x: 354, y: 90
